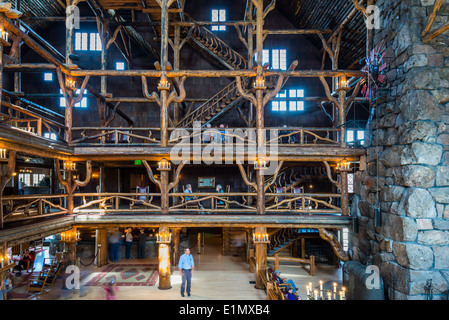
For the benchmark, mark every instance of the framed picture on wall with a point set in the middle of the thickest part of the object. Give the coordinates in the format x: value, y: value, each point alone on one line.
x: 206, y: 182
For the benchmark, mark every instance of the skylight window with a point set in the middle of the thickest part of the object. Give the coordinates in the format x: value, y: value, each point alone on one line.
x: 219, y: 16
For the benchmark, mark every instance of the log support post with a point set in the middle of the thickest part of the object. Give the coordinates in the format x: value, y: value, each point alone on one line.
x: 5, y: 178
x: 164, y: 260
x: 101, y: 246
x: 261, y: 258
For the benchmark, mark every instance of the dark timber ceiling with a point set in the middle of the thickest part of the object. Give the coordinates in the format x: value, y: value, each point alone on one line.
x: 303, y: 14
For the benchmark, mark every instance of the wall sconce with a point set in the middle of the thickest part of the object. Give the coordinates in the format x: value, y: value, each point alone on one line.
x: 344, y: 166
x: 5, y: 261
x: 343, y: 84
x: 163, y: 238
x: 95, y: 175
x: 260, y: 164
x: 70, y: 83
x: 261, y: 238
x: 259, y: 83
x: 163, y: 84
x: 164, y: 165
x: 69, y: 166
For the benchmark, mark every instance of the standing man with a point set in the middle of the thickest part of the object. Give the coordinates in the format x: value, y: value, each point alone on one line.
x: 141, y: 244
x: 21, y: 189
x: 186, y: 266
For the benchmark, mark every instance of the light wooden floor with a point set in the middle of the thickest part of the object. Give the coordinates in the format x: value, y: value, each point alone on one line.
x: 217, y: 277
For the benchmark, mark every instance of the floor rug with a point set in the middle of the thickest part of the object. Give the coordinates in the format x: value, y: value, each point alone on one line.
x: 124, y: 275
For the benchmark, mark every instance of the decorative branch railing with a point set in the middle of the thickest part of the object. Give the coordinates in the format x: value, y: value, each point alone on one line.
x: 116, y: 202
x: 30, y: 122
x: 33, y: 206
x: 115, y: 135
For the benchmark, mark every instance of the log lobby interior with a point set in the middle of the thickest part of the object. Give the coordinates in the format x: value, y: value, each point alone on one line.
x: 95, y: 96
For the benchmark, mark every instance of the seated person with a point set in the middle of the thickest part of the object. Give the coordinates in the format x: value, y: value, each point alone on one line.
x: 291, y: 295
x: 219, y: 189
x: 207, y: 135
x: 23, y: 262
x: 288, y: 282
x: 188, y: 189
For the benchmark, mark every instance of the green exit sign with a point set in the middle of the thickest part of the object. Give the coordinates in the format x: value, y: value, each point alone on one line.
x: 137, y: 162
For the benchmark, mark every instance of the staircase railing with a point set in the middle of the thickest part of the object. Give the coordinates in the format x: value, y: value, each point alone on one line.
x: 216, y: 46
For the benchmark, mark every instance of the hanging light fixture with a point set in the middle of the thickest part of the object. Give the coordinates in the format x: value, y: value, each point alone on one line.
x: 164, y: 84
x: 343, y: 84
x: 259, y: 83
x: 70, y: 83
x: 344, y: 166
x: 69, y: 166
x: 260, y: 164
x: 164, y: 165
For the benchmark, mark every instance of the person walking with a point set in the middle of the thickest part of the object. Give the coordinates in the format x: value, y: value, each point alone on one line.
x: 128, y: 243
x: 141, y: 244
x: 114, y: 240
x: 186, y: 266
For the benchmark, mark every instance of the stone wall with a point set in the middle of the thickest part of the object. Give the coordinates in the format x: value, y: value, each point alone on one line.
x: 407, y: 172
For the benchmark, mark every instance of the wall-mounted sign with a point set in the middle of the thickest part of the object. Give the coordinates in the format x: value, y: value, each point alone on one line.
x: 206, y: 182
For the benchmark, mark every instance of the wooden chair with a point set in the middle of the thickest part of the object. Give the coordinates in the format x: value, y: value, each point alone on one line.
x: 139, y: 200
x: 193, y: 205
x: 53, y: 274
x: 296, y: 191
x: 219, y: 204
x: 279, y: 199
x: 37, y: 284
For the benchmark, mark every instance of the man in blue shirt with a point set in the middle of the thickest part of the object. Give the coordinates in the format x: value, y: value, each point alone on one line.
x: 186, y: 266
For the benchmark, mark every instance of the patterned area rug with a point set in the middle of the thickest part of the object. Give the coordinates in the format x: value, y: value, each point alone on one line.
x: 125, y: 275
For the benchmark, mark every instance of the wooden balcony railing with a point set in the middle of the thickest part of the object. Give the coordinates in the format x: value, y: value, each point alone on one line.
x: 27, y: 207
x: 291, y: 136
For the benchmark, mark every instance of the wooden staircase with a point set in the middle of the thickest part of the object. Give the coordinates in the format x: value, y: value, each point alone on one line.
x: 283, y: 238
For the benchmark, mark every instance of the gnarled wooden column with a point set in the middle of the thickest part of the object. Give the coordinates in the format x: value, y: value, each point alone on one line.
x: 5, y: 179
x: 69, y: 184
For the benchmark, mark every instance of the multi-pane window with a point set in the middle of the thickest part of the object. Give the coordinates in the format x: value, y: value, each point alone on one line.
x: 218, y: 15
x: 119, y: 66
x: 48, y: 76
x: 26, y: 178
x: 51, y: 136
x: 277, y: 58
x: 87, y: 41
x: 37, y: 178
x: 350, y: 182
x: 355, y: 137
x: 288, y: 100
x: 81, y: 104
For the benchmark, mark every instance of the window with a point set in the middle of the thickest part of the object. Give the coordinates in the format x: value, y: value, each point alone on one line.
x: 277, y: 58
x: 218, y: 16
x: 119, y: 66
x: 81, y: 104
x: 48, y: 76
x: 37, y: 178
x: 288, y: 100
x: 51, y: 136
x: 87, y: 41
x: 344, y: 238
x: 355, y: 137
x: 350, y: 182
x: 25, y: 177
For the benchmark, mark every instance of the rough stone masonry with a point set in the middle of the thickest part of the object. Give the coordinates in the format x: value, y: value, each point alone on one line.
x: 407, y: 172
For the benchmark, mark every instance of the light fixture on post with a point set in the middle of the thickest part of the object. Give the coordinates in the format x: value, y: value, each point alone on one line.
x: 69, y: 166
x: 164, y: 165
x: 70, y: 83
x: 3, y: 154
x: 260, y: 164
x: 163, y: 238
x: 4, y: 35
x: 259, y: 83
x: 261, y: 238
x: 164, y: 84
x: 343, y: 84
x: 344, y: 166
